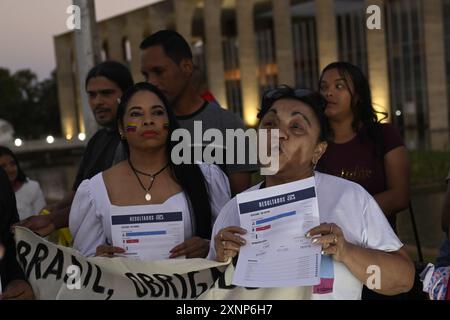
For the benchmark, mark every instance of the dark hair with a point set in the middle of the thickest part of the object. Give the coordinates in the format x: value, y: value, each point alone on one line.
x: 173, y: 44
x: 189, y: 176
x: 313, y: 99
x: 4, y: 151
x: 361, y: 103
x: 114, y: 71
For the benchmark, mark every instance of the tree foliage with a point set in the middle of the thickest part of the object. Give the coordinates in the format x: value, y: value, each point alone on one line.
x: 29, y: 105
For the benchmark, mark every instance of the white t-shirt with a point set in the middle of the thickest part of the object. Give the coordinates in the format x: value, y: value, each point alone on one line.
x: 350, y: 207
x: 30, y: 199
x: 90, y: 215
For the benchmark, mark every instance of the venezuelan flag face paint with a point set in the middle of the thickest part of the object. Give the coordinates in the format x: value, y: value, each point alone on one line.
x: 131, y: 127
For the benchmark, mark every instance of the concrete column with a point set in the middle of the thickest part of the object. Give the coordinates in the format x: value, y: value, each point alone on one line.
x: 115, y: 32
x: 135, y: 34
x: 184, y: 12
x: 326, y: 32
x: 436, y: 74
x: 214, y: 54
x: 377, y: 63
x: 248, y: 60
x: 283, y: 41
x: 64, y: 49
x: 158, y: 16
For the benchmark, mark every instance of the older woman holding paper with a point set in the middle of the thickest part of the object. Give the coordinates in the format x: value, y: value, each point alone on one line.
x: 146, y: 183
x: 353, y: 229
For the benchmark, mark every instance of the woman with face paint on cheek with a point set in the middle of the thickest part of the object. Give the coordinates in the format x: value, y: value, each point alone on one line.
x: 148, y: 178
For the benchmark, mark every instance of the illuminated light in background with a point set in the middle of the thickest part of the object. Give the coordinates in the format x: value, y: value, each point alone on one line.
x: 250, y: 104
x: 50, y: 139
x: 250, y: 115
x: 398, y: 113
x: 198, y: 44
x: 81, y: 136
x: 379, y: 103
x: 18, y: 142
x: 69, y: 137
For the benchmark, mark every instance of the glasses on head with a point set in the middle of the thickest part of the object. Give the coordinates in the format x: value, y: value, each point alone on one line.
x: 271, y: 95
x: 281, y: 91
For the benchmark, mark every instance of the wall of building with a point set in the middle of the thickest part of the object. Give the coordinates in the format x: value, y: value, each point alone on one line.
x: 247, y: 46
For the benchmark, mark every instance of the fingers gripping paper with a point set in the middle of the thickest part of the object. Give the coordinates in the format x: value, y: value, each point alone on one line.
x: 57, y: 272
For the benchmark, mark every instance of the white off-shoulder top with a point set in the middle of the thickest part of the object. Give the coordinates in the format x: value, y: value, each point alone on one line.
x: 90, y: 214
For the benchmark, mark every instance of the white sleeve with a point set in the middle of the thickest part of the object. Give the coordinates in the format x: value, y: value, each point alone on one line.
x: 38, y: 203
x: 378, y: 233
x: 218, y: 188
x: 229, y: 216
x: 85, y: 222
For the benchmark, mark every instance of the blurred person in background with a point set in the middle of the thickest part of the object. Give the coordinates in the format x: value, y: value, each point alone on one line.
x: 12, y: 278
x: 29, y: 196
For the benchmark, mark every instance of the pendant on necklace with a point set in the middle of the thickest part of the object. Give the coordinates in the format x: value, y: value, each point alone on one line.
x: 148, y: 197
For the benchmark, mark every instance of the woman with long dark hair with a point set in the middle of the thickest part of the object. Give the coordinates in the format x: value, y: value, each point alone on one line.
x: 149, y: 177
x: 361, y: 148
x: 29, y: 196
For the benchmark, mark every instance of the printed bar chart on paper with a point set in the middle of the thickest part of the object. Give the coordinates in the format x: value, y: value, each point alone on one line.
x: 277, y: 254
x: 147, y: 235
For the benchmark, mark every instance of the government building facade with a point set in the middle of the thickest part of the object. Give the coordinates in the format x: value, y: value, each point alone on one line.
x: 243, y: 47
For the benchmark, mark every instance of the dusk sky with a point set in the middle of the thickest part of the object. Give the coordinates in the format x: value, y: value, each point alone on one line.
x: 28, y: 26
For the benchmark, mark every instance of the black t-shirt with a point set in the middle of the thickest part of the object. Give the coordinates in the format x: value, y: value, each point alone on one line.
x: 212, y: 116
x: 99, y: 155
x: 9, y: 267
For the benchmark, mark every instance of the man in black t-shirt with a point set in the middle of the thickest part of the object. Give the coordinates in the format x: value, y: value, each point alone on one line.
x: 105, y: 84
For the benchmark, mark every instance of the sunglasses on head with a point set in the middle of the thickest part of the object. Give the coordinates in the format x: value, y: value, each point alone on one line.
x: 285, y: 91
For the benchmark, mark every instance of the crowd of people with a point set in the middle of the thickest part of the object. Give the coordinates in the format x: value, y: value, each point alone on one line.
x: 333, y: 134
